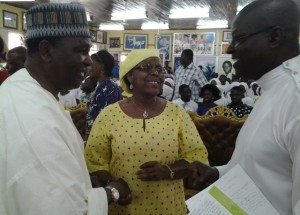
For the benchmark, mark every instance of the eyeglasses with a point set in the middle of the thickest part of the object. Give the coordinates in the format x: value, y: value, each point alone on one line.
x: 239, y: 40
x: 148, y: 68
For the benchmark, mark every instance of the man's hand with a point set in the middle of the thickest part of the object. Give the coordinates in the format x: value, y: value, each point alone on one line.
x: 202, y: 177
x: 124, y: 191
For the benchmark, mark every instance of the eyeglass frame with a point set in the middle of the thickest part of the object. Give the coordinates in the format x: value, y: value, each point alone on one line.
x: 150, y: 68
x: 244, y: 38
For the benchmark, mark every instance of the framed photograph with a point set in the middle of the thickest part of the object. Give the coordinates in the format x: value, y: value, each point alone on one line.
x: 207, y: 64
x: 202, y: 43
x: 93, y: 35
x: 227, y: 36
x: 100, y: 37
x: 10, y: 20
x: 135, y: 41
x: 162, y: 58
x: 114, y: 42
x: 225, y: 66
x: 164, y: 44
x: 224, y: 47
x: 24, y: 26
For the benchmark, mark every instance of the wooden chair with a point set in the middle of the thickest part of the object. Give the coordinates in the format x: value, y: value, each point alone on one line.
x: 218, y: 129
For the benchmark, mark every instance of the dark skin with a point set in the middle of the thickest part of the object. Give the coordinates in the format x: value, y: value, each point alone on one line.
x: 145, y: 96
x: 54, y: 74
x: 258, y: 54
x: 15, y: 59
x: 236, y: 97
x: 186, y: 94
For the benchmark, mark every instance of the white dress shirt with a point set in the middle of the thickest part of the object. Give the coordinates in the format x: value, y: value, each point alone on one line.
x: 268, y: 145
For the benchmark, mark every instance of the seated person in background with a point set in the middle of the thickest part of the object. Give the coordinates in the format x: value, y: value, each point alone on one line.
x: 67, y: 98
x: 225, y: 85
x: 185, y: 99
x: 237, y: 106
x: 210, y: 94
x: 168, y: 89
x: 88, y: 87
x: 15, y: 59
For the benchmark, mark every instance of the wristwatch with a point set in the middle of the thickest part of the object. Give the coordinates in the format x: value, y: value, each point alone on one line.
x: 114, y: 193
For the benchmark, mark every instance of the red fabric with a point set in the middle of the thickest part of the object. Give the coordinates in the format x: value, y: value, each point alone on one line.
x: 3, y: 76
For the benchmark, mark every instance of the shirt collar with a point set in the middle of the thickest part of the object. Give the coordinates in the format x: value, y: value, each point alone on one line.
x: 267, y: 80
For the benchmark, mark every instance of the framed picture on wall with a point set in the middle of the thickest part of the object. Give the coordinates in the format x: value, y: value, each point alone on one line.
x: 224, y: 47
x: 100, y: 37
x: 93, y: 35
x: 227, y: 36
x: 201, y: 43
x: 114, y: 42
x: 225, y: 66
x: 10, y: 19
x: 24, y: 26
x: 164, y: 44
x: 135, y: 41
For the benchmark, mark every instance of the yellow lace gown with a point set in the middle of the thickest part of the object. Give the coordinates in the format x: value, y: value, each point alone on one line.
x: 119, y: 144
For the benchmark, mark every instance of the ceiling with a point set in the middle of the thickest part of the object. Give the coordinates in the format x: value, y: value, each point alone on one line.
x: 100, y: 11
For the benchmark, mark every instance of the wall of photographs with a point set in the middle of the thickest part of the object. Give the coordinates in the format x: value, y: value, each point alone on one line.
x: 209, y: 46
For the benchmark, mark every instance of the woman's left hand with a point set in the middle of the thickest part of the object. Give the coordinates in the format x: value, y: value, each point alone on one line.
x: 153, y: 171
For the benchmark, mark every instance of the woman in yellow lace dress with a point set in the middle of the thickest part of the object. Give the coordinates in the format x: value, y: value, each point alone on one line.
x: 145, y: 140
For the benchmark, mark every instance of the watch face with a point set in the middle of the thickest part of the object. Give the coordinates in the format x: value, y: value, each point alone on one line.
x: 115, y: 194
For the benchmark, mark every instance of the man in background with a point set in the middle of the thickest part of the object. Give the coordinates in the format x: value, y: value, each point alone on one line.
x: 42, y: 167
x: 15, y: 59
x: 265, y: 47
x: 185, y: 99
x: 189, y: 74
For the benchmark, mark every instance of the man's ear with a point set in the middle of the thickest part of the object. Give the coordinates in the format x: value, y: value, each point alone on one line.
x: 275, y: 36
x: 45, y: 51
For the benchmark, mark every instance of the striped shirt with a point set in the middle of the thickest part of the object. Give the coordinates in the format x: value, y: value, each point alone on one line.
x: 191, y: 76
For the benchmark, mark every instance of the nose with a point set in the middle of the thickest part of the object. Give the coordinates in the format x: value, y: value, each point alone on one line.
x: 230, y: 48
x: 88, y: 60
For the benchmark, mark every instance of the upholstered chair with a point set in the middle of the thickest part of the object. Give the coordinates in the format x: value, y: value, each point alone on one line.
x: 218, y: 129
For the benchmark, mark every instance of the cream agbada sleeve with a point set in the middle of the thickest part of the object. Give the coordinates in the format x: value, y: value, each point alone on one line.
x: 42, y: 168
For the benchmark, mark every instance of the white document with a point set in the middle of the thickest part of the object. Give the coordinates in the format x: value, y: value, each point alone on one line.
x: 234, y: 193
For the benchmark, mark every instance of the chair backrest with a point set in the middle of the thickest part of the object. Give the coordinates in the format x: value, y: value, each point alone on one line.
x: 78, y: 114
x: 218, y: 129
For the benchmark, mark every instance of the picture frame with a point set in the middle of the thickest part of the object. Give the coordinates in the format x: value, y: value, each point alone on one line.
x: 162, y: 57
x: 164, y: 44
x: 10, y: 19
x: 24, y: 26
x: 224, y: 47
x: 114, y: 42
x: 220, y: 68
x: 93, y: 35
x: 135, y: 41
x: 227, y: 36
x: 100, y: 37
x: 202, y: 43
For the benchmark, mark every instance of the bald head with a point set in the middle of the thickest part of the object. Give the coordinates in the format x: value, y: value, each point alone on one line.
x: 271, y: 13
x: 15, y: 59
x: 264, y: 35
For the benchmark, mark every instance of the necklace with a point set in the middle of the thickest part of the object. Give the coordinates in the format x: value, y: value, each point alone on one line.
x: 145, y: 112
